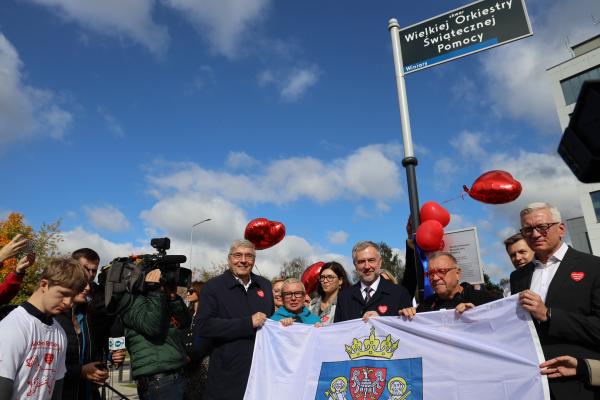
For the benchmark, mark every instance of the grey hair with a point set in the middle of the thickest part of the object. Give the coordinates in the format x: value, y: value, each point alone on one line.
x: 242, y: 243
x: 360, y: 246
x: 291, y: 281
x: 542, y: 206
x: 439, y: 254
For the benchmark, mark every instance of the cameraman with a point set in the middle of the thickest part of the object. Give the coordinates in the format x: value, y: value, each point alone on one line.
x: 154, y: 323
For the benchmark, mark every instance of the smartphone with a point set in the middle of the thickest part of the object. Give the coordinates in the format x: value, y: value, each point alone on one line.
x: 28, y: 249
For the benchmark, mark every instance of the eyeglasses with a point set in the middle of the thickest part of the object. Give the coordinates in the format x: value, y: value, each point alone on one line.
x: 289, y: 295
x: 239, y: 256
x: 541, y: 228
x: 191, y: 291
x: 327, y: 278
x: 441, y: 272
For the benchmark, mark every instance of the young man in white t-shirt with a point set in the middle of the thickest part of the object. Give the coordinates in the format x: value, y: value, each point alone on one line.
x: 33, y: 344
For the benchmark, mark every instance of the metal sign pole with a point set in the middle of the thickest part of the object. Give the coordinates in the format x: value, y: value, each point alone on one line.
x: 409, y: 161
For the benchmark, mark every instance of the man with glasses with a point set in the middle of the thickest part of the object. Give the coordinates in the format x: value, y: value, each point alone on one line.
x: 371, y: 296
x: 561, y: 291
x: 444, y: 276
x: 233, y: 306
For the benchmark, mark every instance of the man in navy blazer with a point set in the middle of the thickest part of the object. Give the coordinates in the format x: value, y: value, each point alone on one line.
x: 233, y: 306
x: 561, y: 290
x: 370, y: 296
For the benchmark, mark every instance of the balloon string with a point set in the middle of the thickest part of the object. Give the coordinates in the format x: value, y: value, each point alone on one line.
x: 461, y: 196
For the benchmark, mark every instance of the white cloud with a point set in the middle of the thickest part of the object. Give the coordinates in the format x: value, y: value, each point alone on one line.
x: 174, y: 215
x: 298, y: 82
x: 26, y: 111
x: 112, y: 124
x: 370, y: 173
x: 444, y: 170
x: 367, y: 173
x: 240, y: 160
x: 291, y: 84
x: 130, y: 19
x: 337, y: 237
x: 515, y: 74
x: 470, y: 145
x: 226, y: 23
x: 79, y: 237
x: 107, y: 217
x: 544, y: 177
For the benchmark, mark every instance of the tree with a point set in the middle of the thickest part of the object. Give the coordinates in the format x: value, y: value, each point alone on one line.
x: 207, y: 273
x: 44, y: 243
x: 491, y: 286
x: 294, y: 268
x: 391, y: 261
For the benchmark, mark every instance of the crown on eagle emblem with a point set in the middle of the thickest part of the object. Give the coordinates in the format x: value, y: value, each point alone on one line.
x: 372, y: 347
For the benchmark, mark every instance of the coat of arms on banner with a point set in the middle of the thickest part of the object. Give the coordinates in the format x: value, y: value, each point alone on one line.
x: 362, y: 378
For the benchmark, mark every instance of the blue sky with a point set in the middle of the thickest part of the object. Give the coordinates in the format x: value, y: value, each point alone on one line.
x: 130, y: 120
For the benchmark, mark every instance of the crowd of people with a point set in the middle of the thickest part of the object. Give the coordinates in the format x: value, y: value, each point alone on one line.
x: 55, y: 345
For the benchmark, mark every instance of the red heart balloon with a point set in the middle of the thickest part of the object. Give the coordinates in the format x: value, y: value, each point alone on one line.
x: 264, y: 233
x: 430, y: 235
x: 495, y: 187
x: 310, y: 276
x: 433, y: 211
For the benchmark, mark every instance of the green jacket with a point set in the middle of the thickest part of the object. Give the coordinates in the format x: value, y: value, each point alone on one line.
x: 154, y: 332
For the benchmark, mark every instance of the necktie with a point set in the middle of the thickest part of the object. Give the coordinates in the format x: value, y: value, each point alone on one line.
x: 368, y: 291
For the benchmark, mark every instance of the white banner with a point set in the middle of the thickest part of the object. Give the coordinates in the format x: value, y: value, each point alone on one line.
x: 490, y: 352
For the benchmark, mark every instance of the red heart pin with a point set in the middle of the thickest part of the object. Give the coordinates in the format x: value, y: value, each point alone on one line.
x: 577, y: 276
x: 260, y: 293
x: 264, y: 233
x: 495, y: 187
x: 324, y: 318
x: 48, y: 358
x: 382, y: 309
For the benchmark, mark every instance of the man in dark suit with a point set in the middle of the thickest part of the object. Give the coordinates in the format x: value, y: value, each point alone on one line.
x: 561, y: 290
x: 233, y: 306
x: 371, y: 296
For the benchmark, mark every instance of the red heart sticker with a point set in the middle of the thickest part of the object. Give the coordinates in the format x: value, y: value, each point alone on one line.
x: 382, y: 309
x: 260, y: 293
x: 48, y: 358
x: 324, y: 318
x: 577, y: 276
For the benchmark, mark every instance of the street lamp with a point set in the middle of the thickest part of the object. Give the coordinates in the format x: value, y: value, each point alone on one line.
x: 192, y: 238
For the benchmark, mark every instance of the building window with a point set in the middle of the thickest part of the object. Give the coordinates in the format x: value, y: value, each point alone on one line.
x: 596, y: 203
x: 571, y: 86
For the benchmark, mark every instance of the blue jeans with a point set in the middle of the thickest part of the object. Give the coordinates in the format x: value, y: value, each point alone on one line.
x: 168, y: 387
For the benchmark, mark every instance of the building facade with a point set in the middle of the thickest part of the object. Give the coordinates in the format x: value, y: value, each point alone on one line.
x: 567, y: 78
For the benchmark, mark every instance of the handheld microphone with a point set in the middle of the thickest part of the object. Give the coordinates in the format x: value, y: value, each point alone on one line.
x: 116, y: 343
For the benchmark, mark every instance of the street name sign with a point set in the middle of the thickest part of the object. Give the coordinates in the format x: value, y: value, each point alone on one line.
x: 466, y: 30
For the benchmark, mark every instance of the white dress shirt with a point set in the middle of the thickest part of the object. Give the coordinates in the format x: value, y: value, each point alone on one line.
x: 373, y: 287
x: 543, y: 273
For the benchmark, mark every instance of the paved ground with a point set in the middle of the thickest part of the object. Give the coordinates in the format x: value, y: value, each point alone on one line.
x: 123, y: 385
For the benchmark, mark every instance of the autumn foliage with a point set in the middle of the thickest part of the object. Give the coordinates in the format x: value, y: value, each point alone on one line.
x: 44, y: 244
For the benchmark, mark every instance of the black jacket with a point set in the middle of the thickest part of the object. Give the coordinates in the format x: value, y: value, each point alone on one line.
x: 74, y: 384
x: 468, y: 295
x: 574, y: 327
x: 387, y: 300
x: 225, y: 317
